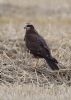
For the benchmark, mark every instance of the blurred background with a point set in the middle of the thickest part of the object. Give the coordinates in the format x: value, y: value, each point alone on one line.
x: 54, y: 16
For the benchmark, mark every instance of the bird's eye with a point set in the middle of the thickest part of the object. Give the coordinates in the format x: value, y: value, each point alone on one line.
x: 27, y: 28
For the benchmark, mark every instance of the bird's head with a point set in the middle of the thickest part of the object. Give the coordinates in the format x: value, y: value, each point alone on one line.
x: 29, y: 27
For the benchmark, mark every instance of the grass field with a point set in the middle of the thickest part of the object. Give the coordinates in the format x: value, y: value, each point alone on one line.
x: 18, y: 77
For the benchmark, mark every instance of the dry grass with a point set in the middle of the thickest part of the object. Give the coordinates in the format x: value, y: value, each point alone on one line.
x: 18, y: 66
x: 19, y: 79
x: 18, y: 92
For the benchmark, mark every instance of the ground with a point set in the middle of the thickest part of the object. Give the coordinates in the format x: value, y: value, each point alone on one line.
x: 18, y: 77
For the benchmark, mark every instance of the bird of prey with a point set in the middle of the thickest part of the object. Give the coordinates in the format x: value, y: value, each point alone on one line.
x: 38, y: 47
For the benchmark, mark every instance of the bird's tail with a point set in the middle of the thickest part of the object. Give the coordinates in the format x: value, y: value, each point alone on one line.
x: 52, y: 62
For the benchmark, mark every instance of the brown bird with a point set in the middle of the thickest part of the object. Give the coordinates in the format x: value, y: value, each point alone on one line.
x: 38, y: 47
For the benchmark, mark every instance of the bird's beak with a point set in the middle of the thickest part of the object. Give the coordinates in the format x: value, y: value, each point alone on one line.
x: 25, y: 27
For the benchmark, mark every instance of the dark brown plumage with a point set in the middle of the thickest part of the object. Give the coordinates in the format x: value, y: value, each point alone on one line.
x: 38, y: 47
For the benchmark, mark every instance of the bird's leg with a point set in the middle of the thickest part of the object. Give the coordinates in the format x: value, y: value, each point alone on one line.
x: 36, y: 63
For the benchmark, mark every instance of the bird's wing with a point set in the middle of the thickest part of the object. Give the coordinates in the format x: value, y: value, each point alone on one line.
x: 42, y: 43
x: 37, y: 45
